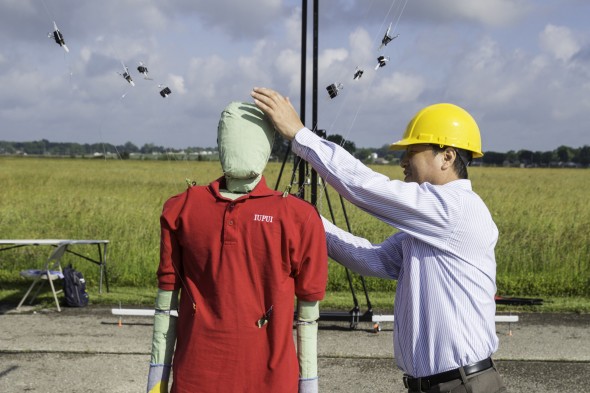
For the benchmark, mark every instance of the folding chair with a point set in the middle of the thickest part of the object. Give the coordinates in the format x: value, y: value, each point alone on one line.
x: 50, y: 272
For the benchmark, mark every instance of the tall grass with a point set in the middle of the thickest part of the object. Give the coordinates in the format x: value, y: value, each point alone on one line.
x: 544, y: 222
x: 542, y: 214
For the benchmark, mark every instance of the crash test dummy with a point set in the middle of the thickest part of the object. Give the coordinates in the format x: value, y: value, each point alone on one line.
x: 234, y: 255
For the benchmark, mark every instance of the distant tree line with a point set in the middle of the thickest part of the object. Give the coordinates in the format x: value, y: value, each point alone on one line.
x: 560, y: 157
x: 47, y: 148
x: 563, y: 156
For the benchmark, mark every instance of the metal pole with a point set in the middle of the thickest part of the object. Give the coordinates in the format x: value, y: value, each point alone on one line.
x: 303, y: 59
x: 314, y: 176
x: 298, y: 162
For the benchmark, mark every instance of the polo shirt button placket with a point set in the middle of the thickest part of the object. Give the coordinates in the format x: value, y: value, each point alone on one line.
x: 231, y: 207
x: 230, y: 235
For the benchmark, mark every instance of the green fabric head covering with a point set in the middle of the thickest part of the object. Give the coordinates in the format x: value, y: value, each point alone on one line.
x: 245, y: 136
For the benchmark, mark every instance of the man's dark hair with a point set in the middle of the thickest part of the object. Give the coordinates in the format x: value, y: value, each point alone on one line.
x: 462, y: 161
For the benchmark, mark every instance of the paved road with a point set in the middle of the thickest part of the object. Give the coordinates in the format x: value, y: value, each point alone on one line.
x: 85, y: 350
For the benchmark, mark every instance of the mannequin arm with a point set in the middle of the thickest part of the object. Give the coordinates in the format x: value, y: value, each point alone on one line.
x: 307, y: 333
x: 163, y: 341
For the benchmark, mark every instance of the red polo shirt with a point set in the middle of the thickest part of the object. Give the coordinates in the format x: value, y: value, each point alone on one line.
x: 237, y: 259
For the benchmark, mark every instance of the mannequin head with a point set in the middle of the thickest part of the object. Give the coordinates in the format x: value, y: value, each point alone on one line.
x: 245, y: 137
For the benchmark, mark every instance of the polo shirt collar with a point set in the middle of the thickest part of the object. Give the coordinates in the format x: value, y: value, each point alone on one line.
x: 261, y: 189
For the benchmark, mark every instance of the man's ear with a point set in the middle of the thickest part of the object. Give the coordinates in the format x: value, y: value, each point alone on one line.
x: 449, y: 156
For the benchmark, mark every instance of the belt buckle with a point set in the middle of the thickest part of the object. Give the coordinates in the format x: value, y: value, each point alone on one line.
x: 424, y: 384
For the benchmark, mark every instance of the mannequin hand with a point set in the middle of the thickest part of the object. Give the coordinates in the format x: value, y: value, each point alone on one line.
x: 158, y: 378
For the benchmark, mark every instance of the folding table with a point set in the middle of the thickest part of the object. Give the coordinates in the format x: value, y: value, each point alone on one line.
x: 101, y: 260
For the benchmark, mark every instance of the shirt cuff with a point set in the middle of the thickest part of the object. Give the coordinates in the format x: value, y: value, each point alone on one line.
x: 302, y: 140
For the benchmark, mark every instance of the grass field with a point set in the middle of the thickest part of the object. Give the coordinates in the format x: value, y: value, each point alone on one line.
x: 542, y: 214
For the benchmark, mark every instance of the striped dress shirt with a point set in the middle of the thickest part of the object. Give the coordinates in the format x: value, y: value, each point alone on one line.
x: 442, y: 256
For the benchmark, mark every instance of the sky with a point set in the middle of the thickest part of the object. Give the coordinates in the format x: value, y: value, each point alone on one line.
x: 520, y: 67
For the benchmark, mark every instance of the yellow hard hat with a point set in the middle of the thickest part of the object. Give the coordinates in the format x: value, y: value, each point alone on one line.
x: 445, y: 125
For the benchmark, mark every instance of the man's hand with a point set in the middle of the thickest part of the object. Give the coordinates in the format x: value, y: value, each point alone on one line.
x: 279, y: 110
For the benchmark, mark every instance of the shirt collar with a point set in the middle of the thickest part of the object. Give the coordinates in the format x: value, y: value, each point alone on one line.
x: 460, y: 183
x: 261, y: 189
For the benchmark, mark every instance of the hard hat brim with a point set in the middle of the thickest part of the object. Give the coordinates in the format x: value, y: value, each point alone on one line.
x: 404, y: 143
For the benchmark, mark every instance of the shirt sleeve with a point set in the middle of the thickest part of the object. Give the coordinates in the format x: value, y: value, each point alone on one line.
x: 170, y: 253
x: 359, y: 255
x: 427, y: 212
x: 311, y: 256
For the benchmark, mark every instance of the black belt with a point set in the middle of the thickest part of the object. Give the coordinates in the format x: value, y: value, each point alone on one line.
x: 426, y: 383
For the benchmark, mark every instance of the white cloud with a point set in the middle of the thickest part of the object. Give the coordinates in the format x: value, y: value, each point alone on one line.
x: 559, y: 41
x: 177, y: 83
x: 250, y: 65
x: 330, y: 57
x: 293, y: 28
x: 240, y: 19
x: 21, y: 6
x: 205, y: 75
x: 488, y: 76
x: 85, y: 54
x: 361, y: 46
x: 288, y: 68
x: 400, y: 87
x: 520, y: 98
x: 489, y: 12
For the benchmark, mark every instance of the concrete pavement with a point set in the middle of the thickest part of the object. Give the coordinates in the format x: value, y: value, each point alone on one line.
x: 85, y: 350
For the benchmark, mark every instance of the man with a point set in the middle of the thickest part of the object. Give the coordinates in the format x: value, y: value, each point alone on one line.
x: 442, y: 256
x: 239, y: 253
